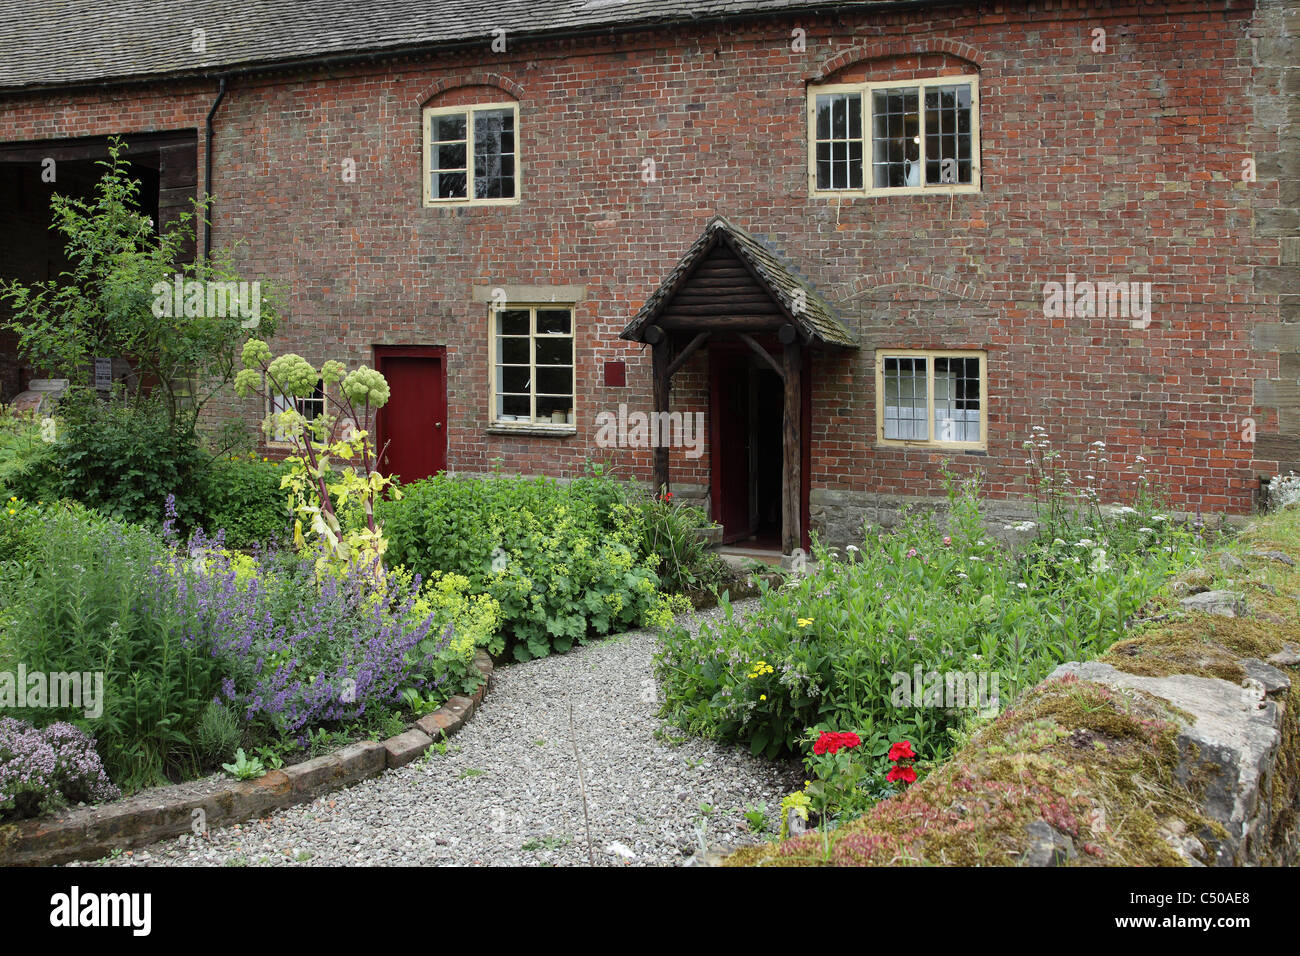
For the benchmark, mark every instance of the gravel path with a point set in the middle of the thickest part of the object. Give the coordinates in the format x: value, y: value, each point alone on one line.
x: 506, y: 792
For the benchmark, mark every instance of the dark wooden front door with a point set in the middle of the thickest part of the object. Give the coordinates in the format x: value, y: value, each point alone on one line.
x: 413, y: 425
x: 745, y: 439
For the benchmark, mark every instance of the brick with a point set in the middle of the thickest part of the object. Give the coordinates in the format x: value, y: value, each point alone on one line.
x: 439, y: 724
x: 406, y: 747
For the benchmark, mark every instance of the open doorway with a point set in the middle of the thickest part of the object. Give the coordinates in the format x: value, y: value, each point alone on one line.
x: 746, y: 441
x: 766, y: 427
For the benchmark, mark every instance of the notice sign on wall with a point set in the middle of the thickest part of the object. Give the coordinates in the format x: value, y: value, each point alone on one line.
x: 103, y: 374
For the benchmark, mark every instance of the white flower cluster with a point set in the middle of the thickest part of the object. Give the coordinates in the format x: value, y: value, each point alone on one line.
x: 1283, y: 490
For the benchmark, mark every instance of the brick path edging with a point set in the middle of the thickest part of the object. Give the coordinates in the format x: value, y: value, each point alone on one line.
x: 89, y: 833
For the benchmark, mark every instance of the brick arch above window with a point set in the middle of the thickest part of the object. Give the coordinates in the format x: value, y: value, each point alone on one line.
x: 467, y: 81
x: 910, y: 284
x: 897, y: 48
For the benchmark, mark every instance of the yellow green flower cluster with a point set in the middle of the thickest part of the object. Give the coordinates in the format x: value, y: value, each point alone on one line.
x: 759, y: 668
x: 797, y: 801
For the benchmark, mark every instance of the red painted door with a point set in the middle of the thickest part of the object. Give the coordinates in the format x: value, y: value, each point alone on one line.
x: 412, y: 427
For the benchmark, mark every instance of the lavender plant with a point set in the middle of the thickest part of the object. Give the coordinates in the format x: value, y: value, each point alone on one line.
x: 298, y: 649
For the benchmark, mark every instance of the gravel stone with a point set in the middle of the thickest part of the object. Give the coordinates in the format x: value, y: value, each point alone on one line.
x: 506, y: 792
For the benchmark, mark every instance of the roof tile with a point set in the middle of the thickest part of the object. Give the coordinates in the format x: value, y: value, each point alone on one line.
x: 59, y: 42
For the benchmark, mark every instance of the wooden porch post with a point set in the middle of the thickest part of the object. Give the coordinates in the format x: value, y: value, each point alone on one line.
x: 662, y: 380
x: 791, y: 480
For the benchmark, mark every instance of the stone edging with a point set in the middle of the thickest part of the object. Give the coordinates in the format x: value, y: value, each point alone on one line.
x: 89, y: 833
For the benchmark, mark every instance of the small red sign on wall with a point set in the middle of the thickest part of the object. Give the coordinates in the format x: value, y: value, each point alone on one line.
x: 615, y: 374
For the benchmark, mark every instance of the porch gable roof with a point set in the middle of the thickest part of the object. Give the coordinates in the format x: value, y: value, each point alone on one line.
x: 816, y: 319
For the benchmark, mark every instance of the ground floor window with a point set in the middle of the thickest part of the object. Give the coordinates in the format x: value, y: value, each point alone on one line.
x: 931, y: 398
x: 532, y: 365
x: 309, y: 407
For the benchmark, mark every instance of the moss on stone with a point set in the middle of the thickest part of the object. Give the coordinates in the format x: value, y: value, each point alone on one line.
x: 1095, y: 764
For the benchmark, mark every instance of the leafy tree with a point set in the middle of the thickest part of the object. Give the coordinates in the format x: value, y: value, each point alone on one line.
x: 108, y: 302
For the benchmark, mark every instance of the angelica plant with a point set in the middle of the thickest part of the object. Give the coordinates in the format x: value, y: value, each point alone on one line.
x: 335, y: 464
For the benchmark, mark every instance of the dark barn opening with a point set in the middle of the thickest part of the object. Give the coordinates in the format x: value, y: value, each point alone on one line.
x: 30, y: 250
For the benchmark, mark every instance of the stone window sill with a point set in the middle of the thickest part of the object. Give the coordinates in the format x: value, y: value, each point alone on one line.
x: 543, y: 431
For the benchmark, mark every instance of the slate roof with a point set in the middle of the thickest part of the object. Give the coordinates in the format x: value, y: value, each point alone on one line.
x: 817, y: 320
x: 59, y: 42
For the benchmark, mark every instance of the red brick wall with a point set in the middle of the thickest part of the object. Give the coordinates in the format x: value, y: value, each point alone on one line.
x: 1122, y: 165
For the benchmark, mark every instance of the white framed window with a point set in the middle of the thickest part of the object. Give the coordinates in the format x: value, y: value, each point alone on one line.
x: 309, y: 407
x: 471, y: 154
x: 928, y: 397
x: 895, y: 137
x: 532, y: 373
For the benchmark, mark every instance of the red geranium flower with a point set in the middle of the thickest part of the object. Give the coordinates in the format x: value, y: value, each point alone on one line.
x: 905, y: 774
x: 901, y: 751
x: 831, y: 742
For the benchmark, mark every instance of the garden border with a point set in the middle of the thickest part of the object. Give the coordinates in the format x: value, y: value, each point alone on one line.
x: 154, y: 815
x: 1212, y: 696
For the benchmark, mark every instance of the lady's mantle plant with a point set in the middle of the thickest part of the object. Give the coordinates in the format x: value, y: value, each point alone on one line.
x: 335, y: 465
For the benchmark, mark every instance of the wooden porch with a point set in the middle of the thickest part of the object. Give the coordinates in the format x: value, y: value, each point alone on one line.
x: 731, y: 287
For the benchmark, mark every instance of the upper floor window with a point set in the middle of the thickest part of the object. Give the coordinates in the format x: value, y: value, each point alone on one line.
x: 471, y: 154
x: 894, y: 137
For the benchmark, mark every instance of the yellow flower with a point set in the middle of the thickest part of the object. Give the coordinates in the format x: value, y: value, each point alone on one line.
x: 759, y: 668
x: 805, y: 621
x: 762, y: 697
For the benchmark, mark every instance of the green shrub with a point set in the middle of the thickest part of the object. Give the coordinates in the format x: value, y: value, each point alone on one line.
x: 835, y: 649
x: 244, y: 499
x: 27, y: 461
x: 218, y: 734
x: 456, y: 523
x: 124, y: 460
x: 559, y: 583
x: 564, y: 561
